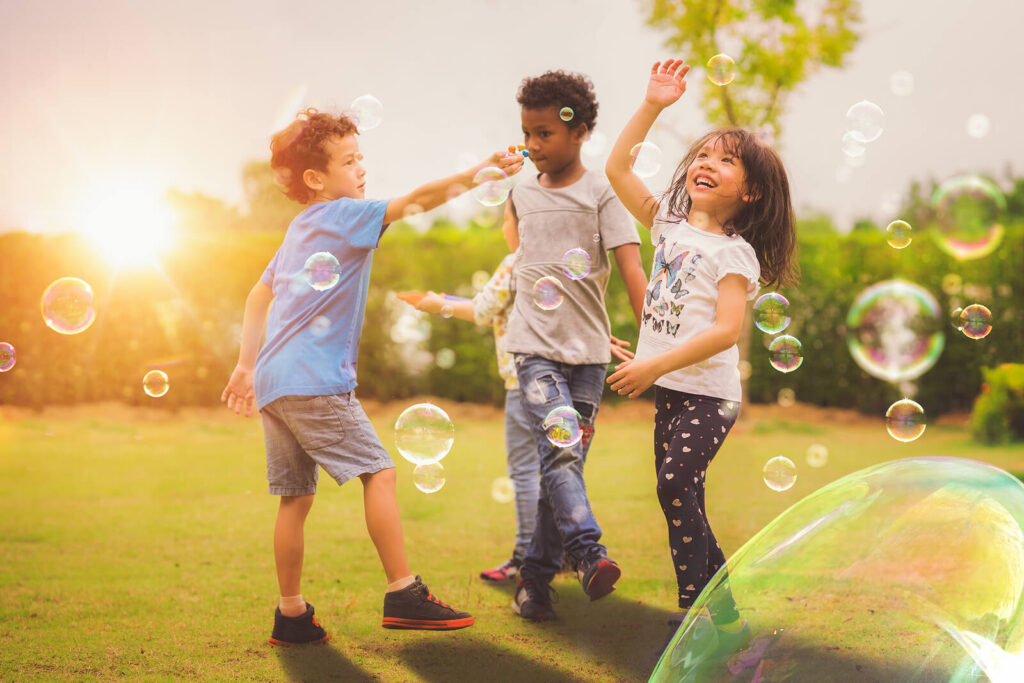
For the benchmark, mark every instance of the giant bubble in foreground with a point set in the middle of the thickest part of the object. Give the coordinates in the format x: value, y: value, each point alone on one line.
x: 911, y: 570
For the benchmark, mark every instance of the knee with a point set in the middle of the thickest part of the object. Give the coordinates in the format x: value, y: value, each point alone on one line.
x: 385, y: 477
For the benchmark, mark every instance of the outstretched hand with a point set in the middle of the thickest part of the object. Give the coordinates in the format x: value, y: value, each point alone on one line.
x: 240, y: 391
x: 667, y: 83
x: 428, y: 302
x: 509, y: 162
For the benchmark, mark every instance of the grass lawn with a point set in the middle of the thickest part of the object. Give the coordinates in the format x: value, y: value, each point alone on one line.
x: 137, y: 543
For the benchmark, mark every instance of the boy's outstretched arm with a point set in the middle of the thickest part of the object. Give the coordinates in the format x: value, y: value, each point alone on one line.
x: 240, y: 390
x: 437, y: 192
x: 431, y: 302
x: 666, y: 85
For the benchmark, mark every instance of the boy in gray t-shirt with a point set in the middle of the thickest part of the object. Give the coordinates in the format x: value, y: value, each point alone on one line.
x: 566, y: 220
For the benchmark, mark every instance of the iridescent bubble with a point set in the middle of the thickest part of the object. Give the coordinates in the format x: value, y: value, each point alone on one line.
x: 447, y: 310
x: 491, y: 186
x: 445, y: 358
x: 925, y: 547
x: 319, y: 326
x: 721, y: 69
x: 785, y: 353
x: 480, y: 279
x: 956, y: 319
x: 894, y: 330
x: 156, y: 383
x: 562, y: 426
x: 566, y: 113
x: 7, y: 359
x: 905, y: 420
x: 865, y: 120
x: 899, y: 234
x: 67, y: 306
x: 786, y: 397
x: 424, y: 434
x: 968, y: 211
x: 817, y: 455
x: 322, y: 271
x: 852, y: 145
x: 429, y: 478
x: 771, y: 313
x: 646, y: 159
x: 596, y: 238
x: 976, y: 321
x: 576, y: 264
x: 901, y: 83
x: 547, y: 293
x: 368, y: 112
x: 779, y: 473
x: 978, y: 125
x: 503, y: 490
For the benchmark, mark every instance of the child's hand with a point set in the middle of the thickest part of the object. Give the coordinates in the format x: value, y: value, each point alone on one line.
x: 508, y: 161
x: 412, y: 298
x: 619, y: 349
x: 633, y: 377
x: 667, y: 83
x: 428, y: 302
x: 240, y: 391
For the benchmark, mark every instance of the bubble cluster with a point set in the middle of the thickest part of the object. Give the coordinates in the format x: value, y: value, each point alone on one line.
x: 429, y: 478
x: 894, y: 330
x: 817, y: 455
x: 547, y: 293
x: 368, y: 112
x: 156, y: 383
x: 779, y: 473
x: 491, y: 186
x: 562, y: 426
x: 646, y: 159
x: 424, y: 434
x: 566, y: 113
x: 67, y: 306
x: 322, y: 271
x: 785, y: 353
x: 503, y: 490
x: 899, y: 234
x: 771, y: 313
x: 576, y: 264
x: 905, y: 420
x: 975, y: 321
x: 7, y: 356
x: 865, y: 121
x: 721, y: 69
x: 968, y: 210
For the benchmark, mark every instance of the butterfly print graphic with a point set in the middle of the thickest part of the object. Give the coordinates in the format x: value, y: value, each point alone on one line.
x: 677, y: 289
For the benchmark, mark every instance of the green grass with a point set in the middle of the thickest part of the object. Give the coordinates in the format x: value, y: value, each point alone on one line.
x: 138, y: 544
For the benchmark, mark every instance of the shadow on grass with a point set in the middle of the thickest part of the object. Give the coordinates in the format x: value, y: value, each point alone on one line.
x: 476, y: 661
x: 319, y: 663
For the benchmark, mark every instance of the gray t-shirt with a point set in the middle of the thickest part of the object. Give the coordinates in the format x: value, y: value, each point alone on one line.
x: 552, y: 221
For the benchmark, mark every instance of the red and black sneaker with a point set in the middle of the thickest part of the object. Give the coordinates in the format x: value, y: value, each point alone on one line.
x: 301, y: 630
x: 505, y: 572
x: 598, y: 575
x: 415, y: 607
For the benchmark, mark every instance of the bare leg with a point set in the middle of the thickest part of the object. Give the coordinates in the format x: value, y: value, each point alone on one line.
x: 384, y: 523
x: 289, y: 542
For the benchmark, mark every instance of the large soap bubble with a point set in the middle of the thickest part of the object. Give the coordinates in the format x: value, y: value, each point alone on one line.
x: 67, y: 305
x: 967, y: 211
x: 894, y: 330
x: 910, y: 570
x: 424, y: 434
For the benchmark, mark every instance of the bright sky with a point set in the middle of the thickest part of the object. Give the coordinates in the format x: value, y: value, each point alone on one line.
x: 114, y: 94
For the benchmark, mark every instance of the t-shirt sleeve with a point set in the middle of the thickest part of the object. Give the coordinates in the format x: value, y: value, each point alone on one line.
x: 495, y: 297
x: 740, y: 259
x: 361, y: 220
x: 268, y: 275
x: 614, y: 222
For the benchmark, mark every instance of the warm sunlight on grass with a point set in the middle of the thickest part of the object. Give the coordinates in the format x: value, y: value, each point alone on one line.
x: 129, y: 226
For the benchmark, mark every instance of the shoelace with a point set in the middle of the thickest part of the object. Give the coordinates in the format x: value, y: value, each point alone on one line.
x: 431, y: 598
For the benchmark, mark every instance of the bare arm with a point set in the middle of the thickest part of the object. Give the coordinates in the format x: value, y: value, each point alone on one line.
x: 510, y: 228
x: 240, y: 391
x: 432, y: 302
x: 631, y: 270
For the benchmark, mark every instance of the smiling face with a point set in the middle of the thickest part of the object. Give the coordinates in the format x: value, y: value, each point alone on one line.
x: 554, y: 146
x: 344, y: 175
x: 716, y: 181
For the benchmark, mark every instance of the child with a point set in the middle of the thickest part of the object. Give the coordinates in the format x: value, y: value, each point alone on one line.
x: 561, y: 352
x: 491, y: 306
x: 725, y: 223
x: 303, y: 379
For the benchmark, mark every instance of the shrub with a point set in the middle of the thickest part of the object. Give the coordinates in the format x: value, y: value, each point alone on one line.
x: 998, y: 415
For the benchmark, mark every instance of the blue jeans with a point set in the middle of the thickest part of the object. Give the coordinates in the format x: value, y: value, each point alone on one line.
x: 564, y: 518
x: 523, y: 468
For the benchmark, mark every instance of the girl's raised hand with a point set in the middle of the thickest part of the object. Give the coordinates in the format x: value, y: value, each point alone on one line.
x: 667, y: 84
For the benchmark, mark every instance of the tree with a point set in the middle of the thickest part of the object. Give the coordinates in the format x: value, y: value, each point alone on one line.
x: 268, y: 208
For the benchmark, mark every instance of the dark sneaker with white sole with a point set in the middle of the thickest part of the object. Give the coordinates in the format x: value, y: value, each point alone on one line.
x: 415, y: 607
x: 301, y: 630
x: 533, y: 600
x: 598, y: 575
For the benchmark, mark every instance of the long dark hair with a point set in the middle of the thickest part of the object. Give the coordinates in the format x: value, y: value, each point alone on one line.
x: 766, y: 220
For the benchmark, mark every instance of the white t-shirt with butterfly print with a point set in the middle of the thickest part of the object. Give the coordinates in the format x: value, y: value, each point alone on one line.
x: 682, y: 297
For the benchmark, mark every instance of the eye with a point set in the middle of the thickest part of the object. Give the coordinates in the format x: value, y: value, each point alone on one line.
x: 727, y: 160
x: 701, y: 155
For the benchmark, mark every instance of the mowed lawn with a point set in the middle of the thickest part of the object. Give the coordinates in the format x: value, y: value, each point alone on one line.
x: 137, y: 543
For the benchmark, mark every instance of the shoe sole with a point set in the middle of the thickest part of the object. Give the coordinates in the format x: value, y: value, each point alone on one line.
x: 603, y: 581
x: 274, y: 642
x: 427, y: 624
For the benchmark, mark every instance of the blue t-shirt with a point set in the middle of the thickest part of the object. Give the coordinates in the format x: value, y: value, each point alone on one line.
x: 313, y: 335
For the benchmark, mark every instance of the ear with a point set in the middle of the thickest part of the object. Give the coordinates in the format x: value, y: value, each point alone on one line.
x: 579, y: 133
x: 312, y: 179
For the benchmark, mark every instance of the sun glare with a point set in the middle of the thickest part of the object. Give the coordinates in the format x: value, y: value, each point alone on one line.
x: 130, y: 227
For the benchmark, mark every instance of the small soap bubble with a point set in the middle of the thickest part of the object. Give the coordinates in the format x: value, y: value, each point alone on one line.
x: 445, y: 358
x: 67, y: 305
x: 852, y: 145
x: 905, y: 420
x: 7, y: 359
x: 547, y: 293
x: 779, y: 473
x: 503, y: 490
x: 480, y: 279
x: 978, y: 125
x: 319, y: 326
x: 976, y: 321
x: 155, y: 383
x: 566, y: 113
x: 899, y: 234
x: 429, y: 478
x: 901, y: 83
x: 786, y: 397
x: 596, y: 238
x: 576, y: 264
x: 865, y: 120
x: 956, y: 319
x: 424, y: 434
x: 447, y: 310
x: 721, y: 69
x: 771, y: 313
x: 321, y: 271
x: 785, y: 353
x: 562, y: 426
x: 368, y: 112
x: 817, y: 455
x: 595, y: 144
x: 646, y: 158
x: 491, y: 186
x: 952, y: 284
x: 411, y: 210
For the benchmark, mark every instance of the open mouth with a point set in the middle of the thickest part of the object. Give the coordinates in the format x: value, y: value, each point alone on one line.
x: 703, y: 181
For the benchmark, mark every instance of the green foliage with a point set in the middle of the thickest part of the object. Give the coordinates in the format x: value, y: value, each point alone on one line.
x: 998, y: 415
x: 776, y: 46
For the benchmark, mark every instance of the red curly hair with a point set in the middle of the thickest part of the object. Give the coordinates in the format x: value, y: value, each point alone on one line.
x: 301, y: 146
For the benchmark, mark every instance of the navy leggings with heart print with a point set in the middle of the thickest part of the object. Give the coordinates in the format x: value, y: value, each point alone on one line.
x: 688, y: 431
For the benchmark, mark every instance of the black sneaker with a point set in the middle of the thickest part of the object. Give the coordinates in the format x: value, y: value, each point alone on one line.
x: 533, y: 600
x: 415, y: 607
x: 598, y: 575
x: 301, y: 630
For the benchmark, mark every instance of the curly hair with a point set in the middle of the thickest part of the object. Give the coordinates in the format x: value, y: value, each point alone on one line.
x: 301, y: 146
x: 560, y: 89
